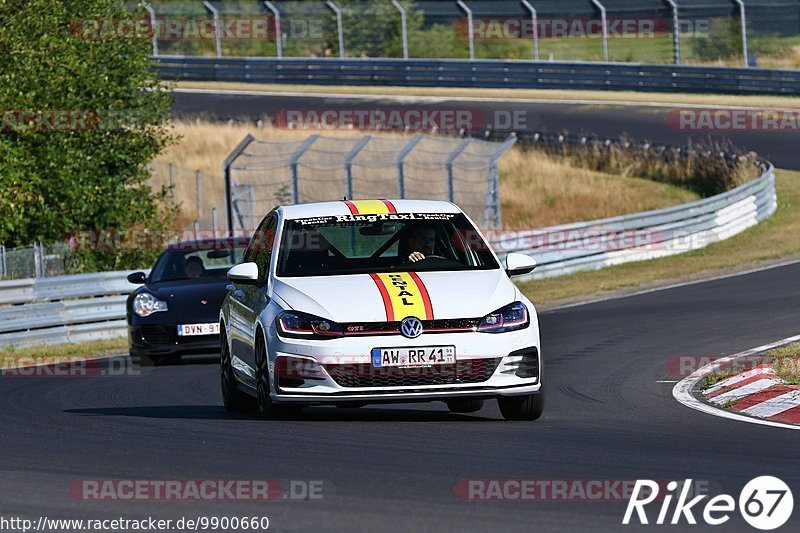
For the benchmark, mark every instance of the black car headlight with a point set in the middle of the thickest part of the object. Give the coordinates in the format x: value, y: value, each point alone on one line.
x: 145, y: 304
x: 298, y: 325
x: 509, y: 318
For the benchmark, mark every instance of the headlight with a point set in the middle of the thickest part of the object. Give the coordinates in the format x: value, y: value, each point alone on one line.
x: 304, y: 326
x: 145, y: 304
x: 508, y: 318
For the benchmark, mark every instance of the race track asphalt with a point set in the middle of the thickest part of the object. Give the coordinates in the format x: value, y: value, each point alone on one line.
x: 394, y: 468
x: 605, y: 120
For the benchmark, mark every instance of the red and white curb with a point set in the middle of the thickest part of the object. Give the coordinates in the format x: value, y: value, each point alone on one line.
x: 757, y: 396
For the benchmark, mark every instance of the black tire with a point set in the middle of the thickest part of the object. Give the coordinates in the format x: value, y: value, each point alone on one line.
x: 464, y: 405
x: 267, y: 409
x: 232, y: 398
x: 529, y: 407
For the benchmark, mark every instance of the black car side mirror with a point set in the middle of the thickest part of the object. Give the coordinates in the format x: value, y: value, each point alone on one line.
x: 137, y: 278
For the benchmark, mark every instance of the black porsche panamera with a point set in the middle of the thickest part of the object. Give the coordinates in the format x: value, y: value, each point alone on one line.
x: 176, y: 310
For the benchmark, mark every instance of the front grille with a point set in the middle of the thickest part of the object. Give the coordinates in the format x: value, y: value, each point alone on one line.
x: 159, y: 334
x: 448, y: 325
x: 462, y: 372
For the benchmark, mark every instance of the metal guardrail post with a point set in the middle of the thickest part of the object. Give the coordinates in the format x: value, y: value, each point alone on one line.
x: 217, y: 29
x: 743, y: 18
x: 153, y: 23
x: 226, y: 173
x: 676, y: 31
x: 403, y: 26
x: 449, y: 166
x: 604, y: 22
x: 470, y: 28
x: 199, y: 179
x: 348, y: 165
x: 400, y: 161
x: 339, y: 26
x: 293, y: 166
x: 278, y: 32
x: 535, y: 22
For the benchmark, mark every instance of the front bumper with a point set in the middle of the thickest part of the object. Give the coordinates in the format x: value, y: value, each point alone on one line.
x: 163, y: 340
x: 340, y: 370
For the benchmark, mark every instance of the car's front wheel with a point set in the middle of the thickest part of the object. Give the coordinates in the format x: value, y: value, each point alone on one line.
x: 529, y: 407
x: 232, y: 398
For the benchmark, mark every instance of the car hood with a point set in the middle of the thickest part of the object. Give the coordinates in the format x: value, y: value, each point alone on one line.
x: 359, y: 298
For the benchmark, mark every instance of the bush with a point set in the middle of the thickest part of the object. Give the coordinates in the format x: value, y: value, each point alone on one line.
x: 88, y: 172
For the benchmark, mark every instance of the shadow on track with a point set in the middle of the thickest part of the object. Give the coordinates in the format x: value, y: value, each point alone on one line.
x: 315, y: 414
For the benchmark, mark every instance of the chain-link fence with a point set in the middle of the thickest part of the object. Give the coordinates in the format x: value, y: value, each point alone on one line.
x: 262, y: 174
x: 647, y: 31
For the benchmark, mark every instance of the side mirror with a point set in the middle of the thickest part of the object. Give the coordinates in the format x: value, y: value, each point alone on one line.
x: 137, y: 278
x: 519, y: 264
x: 245, y: 273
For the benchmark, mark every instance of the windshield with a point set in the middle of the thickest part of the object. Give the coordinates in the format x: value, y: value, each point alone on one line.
x: 360, y: 244
x: 175, y: 265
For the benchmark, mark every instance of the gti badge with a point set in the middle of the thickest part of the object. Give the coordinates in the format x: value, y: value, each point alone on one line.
x: 411, y: 327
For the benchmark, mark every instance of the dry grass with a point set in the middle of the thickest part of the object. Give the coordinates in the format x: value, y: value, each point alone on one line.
x: 786, y: 362
x: 536, y: 189
x: 60, y: 353
x: 622, y: 97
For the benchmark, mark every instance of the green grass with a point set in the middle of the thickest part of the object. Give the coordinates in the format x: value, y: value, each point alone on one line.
x: 772, y: 239
x: 56, y: 353
x: 786, y: 362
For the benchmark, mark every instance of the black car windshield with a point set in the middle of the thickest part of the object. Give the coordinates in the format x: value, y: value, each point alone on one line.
x: 360, y: 244
x: 194, y: 263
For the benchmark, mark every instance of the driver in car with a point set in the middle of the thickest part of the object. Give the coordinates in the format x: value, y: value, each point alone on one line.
x: 421, y: 242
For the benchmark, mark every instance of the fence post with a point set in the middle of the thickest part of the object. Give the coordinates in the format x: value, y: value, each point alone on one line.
x: 604, y: 22
x: 226, y: 173
x: 217, y: 29
x: 403, y: 26
x: 278, y: 33
x: 534, y: 21
x: 743, y: 17
x: 37, y: 260
x: 451, y: 194
x: 676, y: 30
x: 339, y: 28
x: 199, y: 178
x: 293, y: 166
x: 3, y: 264
x: 152, y: 12
x: 214, y: 221
x: 348, y: 165
x: 401, y: 156
x: 470, y: 28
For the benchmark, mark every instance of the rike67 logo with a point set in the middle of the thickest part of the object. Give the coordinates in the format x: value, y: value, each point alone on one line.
x: 765, y: 503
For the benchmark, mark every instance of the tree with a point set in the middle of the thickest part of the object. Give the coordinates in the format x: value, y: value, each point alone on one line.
x: 81, y: 118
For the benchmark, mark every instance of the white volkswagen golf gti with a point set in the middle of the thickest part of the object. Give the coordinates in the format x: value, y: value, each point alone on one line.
x: 374, y: 301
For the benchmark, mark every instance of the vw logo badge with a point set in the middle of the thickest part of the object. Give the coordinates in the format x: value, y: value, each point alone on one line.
x: 411, y: 327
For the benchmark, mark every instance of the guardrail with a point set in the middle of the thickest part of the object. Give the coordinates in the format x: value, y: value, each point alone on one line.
x: 486, y: 73
x: 569, y: 248
x: 64, y: 308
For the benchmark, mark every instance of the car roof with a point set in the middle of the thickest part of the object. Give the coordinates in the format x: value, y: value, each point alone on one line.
x: 367, y: 207
x: 209, y: 244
